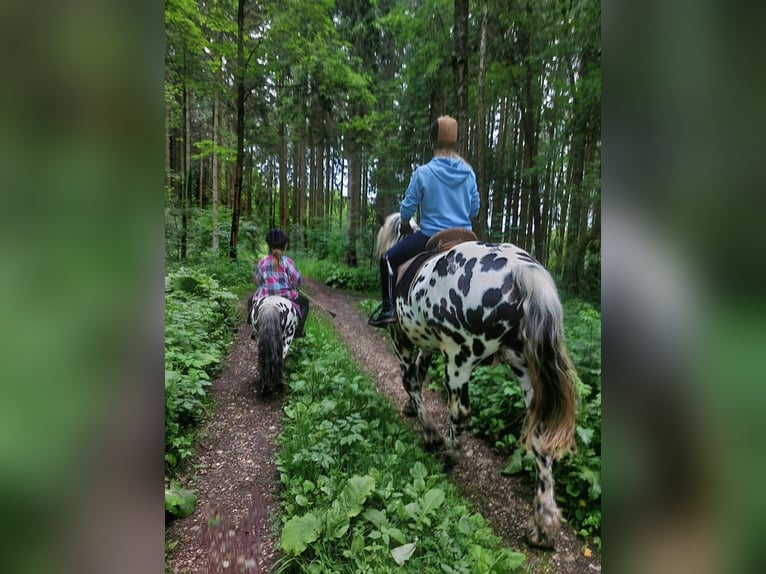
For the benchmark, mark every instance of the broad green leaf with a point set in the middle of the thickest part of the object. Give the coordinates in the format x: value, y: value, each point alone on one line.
x: 299, y: 532
x: 585, y: 434
x: 377, y: 517
x: 594, y: 480
x: 355, y: 492
x: 432, y: 500
x: 418, y: 470
x: 396, y: 534
x: 403, y: 553
x: 412, y: 509
x: 514, y: 464
x: 179, y: 501
x: 337, y: 521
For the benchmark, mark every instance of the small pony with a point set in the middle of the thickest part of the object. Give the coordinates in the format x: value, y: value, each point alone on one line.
x: 473, y: 302
x: 274, y: 321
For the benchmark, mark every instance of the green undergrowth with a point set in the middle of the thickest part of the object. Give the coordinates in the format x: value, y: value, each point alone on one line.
x: 359, y: 495
x: 200, y: 318
x: 362, y: 279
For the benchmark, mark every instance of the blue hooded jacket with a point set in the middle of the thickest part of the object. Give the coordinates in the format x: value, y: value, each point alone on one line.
x: 445, y: 189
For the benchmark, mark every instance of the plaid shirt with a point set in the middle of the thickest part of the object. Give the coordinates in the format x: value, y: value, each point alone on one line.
x: 284, y: 281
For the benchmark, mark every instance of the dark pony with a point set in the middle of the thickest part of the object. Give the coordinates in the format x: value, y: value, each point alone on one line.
x: 274, y: 321
x: 471, y: 303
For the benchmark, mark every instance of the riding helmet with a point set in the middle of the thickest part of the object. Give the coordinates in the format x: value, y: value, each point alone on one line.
x: 276, y: 239
x: 443, y: 132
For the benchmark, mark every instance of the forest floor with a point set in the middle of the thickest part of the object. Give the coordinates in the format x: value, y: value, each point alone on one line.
x: 237, y: 482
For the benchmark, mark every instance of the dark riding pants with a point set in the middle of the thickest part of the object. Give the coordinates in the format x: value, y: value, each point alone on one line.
x: 407, y: 248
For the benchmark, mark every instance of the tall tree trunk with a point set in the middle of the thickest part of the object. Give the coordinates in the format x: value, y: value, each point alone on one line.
x: 201, y: 172
x: 240, y: 129
x: 575, y: 247
x: 168, y: 147
x: 501, y: 223
x: 460, y: 71
x: 516, y: 153
x: 354, y: 194
x: 216, y: 108
x: 529, y: 117
x: 184, y: 168
x: 283, y: 192
x: 481, y: 143
x: 249, y: 186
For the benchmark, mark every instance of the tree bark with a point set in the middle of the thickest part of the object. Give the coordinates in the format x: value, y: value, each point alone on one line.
x: 354, y: 194
x: 460, y: 72
x: 216, y: 108
x: 481, y: 143
x: 240, y: 129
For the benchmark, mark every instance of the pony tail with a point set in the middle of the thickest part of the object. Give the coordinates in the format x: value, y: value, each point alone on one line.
x: 277, y: 256
x: 550, y: 422
x: 269, y: 348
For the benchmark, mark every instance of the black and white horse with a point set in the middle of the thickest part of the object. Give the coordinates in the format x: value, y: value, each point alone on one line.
x: 274, y: 321
x: 472, y: 302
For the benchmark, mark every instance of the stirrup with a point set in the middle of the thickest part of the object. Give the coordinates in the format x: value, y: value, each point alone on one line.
x: 381, y: 319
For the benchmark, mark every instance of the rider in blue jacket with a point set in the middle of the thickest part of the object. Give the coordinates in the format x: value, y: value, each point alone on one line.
x: 445, y: 191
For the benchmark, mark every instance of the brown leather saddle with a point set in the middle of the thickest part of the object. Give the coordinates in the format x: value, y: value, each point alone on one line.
x: 439, y: 242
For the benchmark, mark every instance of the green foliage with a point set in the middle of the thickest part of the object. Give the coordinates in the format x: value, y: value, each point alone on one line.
x: 179, y: 501
x: 359, y: 494
x: 199, y: 318
x: 354, y: 279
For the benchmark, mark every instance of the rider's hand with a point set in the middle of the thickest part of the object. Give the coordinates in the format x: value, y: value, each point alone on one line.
x: 404, y: 227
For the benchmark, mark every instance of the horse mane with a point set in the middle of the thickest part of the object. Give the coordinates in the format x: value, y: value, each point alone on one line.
x: 390, y: 233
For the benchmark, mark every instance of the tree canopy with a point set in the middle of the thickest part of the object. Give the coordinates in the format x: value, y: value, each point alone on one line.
x: 312, y: 114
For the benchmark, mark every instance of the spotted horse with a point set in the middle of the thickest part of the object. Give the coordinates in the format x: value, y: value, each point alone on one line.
x: 475, y: 302
x: 274, y: 321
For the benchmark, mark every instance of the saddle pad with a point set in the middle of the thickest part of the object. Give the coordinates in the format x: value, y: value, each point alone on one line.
x: 409, y: 269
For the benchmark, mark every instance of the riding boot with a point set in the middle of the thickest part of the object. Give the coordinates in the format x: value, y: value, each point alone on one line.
x: 386, y: 314
x: 303, y: 303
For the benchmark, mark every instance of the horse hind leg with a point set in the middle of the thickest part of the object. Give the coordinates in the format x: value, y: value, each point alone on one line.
x: 456, y: 383
x: 422, y: 364
x: 412, y: 368
x: 546, y: 517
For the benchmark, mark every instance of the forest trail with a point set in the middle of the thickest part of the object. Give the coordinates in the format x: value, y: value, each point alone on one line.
x: 237, y: 481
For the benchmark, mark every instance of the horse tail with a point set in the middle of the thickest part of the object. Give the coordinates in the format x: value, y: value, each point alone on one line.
x: 550, y: 420
x: 270, y: 346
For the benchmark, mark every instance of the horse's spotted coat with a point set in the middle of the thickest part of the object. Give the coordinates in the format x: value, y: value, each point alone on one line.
x: 477, y: 301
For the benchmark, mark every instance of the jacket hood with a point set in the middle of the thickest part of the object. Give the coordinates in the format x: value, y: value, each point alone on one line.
x: 450, y: 171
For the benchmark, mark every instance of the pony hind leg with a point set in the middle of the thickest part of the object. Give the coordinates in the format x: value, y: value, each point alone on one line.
x: 422, y: 364
x: 413, y: 366
x: 456, y: 380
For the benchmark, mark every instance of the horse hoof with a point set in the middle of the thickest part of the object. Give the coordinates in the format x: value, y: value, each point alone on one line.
x: 449, y: 458
x: 539, y: 539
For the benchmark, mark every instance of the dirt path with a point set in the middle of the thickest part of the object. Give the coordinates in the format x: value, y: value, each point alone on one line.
x: 237, y: 482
